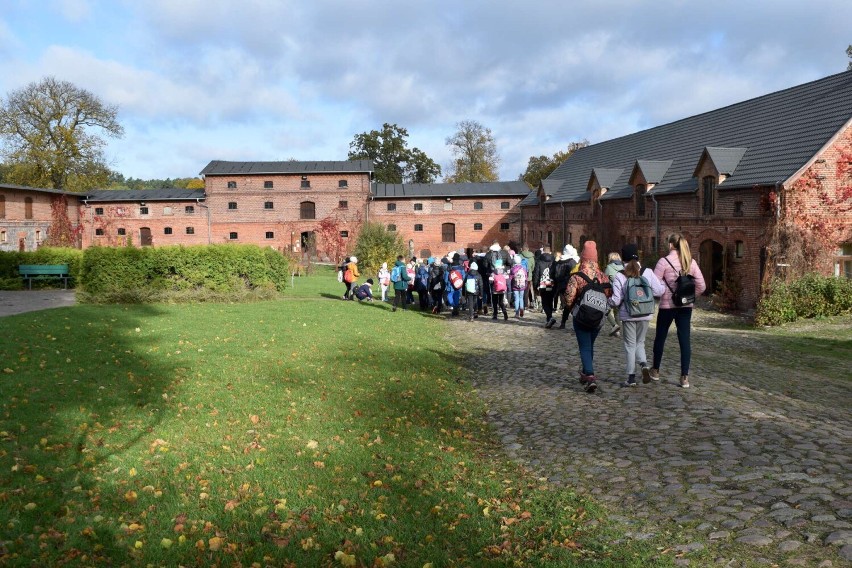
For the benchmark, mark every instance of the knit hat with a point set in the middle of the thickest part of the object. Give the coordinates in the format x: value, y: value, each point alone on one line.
x: 570, y: 252
x: 495, y: 247
x: 354, y: 259
x: 370, y: 281
x: 517, y: 259
x: 590, y: 251
x: 629, y: 252
x: 474, y: 266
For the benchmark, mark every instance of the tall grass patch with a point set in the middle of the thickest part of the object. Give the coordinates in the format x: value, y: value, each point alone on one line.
x: 811, y: 296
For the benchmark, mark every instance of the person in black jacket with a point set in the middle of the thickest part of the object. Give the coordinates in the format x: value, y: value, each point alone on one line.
x: 436, y: 285
x: 472, y: 290
x: 543, y: 282
x: 561, y: 274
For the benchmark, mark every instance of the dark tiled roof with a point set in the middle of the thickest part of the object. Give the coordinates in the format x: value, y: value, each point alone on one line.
x: 484, y: 189
x: 606, y: 176
x: 167, y: 194
x: 653, y: 170
x: 726, y: 160
x: 39, y: 189
x: 779, y: 132
x: 221, y: 168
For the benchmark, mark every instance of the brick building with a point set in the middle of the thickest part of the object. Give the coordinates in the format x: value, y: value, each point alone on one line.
x: 26, y: 214
x: 724, y: 179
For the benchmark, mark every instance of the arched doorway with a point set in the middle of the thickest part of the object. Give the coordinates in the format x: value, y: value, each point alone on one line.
x: 145, y: 238
x: 712, y: 264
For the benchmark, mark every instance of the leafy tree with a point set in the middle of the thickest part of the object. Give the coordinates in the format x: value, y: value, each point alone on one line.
x: 539, y: 167
x: 377, y: 245
x: 393, y: 161
x: 475, y: 154
x: 49, y: 132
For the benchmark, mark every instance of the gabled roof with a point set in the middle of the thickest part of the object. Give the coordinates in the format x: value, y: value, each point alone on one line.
x: 782, y: 132
x: 652, y: 170
x: 222, y: 168
x: 38, y: 189
x: 725, y: 159
x: 167, y: 194
x: 605, y: 176
x: 484, y: 189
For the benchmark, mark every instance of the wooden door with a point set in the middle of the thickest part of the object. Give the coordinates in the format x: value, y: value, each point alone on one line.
x: 145, y: 237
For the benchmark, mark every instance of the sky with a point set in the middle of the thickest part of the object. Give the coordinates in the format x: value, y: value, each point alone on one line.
x: 264, y: 80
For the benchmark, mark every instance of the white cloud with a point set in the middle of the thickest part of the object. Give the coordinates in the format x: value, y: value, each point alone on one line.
x: 75, y: 11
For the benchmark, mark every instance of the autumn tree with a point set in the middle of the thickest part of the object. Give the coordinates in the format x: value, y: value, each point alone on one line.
x: 475, y: 154
x: 393, y: 161
x: 539, y: 167
x: 52, y: 133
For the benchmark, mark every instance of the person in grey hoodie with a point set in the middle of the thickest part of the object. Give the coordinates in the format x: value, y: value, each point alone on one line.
x: 614, y: 266
x: 472, y: 290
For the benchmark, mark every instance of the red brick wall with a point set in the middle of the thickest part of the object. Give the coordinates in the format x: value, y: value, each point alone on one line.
x: 15, y: 227
x: 128, y: 216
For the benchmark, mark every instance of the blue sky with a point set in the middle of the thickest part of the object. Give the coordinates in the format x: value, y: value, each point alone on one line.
x: 197, y: 80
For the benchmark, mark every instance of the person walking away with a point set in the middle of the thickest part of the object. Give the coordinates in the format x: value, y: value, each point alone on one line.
x: 472, y: 290
x: 455, y: 281
x: 421, y: 284
x: 410, y: 269
x: 436, y: 285
x: 613, y: 267
x: 365, y: 291
x: 562, y: 273
x: 529, y: 260
x: 542, y: 281
x: 519, y: 285
x: 384, y: 280
x: 587, y: 293
x: 499, y: 283
x: 350, y: 276
x: 400, y: 279
x: 676, y: 264
x: 633, y: 293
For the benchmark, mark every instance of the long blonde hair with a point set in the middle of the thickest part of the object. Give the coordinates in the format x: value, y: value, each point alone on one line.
x: 683, y: 253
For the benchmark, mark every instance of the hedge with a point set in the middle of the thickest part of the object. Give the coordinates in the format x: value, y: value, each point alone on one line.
x: 143, y: 274
x: 810, y: 296
x: 9, y: 262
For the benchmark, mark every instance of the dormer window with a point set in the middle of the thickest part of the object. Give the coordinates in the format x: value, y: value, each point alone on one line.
x: 708, y: 195
x: 640, y: 200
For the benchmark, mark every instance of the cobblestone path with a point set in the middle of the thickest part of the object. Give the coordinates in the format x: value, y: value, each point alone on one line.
x: 751, y: 465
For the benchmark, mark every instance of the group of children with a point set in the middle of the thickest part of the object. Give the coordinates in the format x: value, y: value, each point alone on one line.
x: 499, y: 279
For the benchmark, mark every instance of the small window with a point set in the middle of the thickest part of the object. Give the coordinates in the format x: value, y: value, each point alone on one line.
x: 477, y: 226
x: 190, y: 230
x: 28, y: 208
x: 143, y: 210
x: 570, y: 238
x: 418, y: 227
x: 233, y: 235
x: 232, y: 185
x: 448, y: 232
x: 418, y: 207
x: 99, y: 232
x: 504, y: 205
x: 343, y: 204
x: 232, y: 205
x: 122, y: 232
x: 270, y: 235
x: 391, y: 206
x: 342, y: 183
x: 268, y: 205
x: 739, y: 249
x: 708, y: 194
x: 189, y: 209
x: 307, y: 210
x: 167, y: 210
x: 504, y: 226
x: 344, y: 234
x: 167, y: 230
x: 640, y: 200
x: 2, y: 206
x: 738, y: 208
x: 477, y: 205
x: 306, y: 184
x: 99, y: 210
x: 3, y: 236
x: 267, y: 184
x: 391, y: 227
x: 38, y: 236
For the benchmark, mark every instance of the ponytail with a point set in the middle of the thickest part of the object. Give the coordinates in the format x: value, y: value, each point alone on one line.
x: 632, y: 269
x: 684, y: 255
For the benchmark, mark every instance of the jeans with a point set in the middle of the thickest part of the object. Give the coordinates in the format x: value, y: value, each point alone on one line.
x: 519, y: 299
x: 586, y: 345
x: 634, y: 333
x: 682, y: 318
x: 471, y: 306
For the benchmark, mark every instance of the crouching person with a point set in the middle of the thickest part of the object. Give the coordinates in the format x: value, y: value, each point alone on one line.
x: 365, y: 291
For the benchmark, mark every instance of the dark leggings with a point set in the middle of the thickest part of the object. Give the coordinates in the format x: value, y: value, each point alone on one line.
x: 682, y: 318
x: 437, y: 300
x: 546, y: 302
x: 497, y: 304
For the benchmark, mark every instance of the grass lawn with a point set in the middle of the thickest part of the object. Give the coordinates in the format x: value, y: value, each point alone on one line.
x: 305, y: 432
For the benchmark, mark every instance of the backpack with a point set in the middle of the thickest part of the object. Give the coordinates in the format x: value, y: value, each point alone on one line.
x: 396, y: 274
x: 499, y: 282
x: 591, y: 306
x: 638, y: 297
x: 520, y: 278
x: 456, y: 278
x: 411, y: 279
x: 525, y: 263
x: 437, y: 277
x: 545, y: 283
x: 684, y: 291
x: 349, y: 276
x: 470, y: 285
x: 422, y: 282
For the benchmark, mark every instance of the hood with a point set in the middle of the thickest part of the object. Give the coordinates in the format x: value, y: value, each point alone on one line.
x: 546, y: 257
x: 495, y: 247
x: 399, y: 263
x: 527, y: 254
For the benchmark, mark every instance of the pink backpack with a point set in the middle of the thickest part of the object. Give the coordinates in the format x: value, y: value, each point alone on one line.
x: 499, y: 282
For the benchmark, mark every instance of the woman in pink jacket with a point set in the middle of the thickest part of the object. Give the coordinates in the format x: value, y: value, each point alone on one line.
x: 668, y: 269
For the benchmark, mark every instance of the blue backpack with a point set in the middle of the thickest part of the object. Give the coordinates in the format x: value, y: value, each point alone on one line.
x: 396, y: 273
x: 422, y: 281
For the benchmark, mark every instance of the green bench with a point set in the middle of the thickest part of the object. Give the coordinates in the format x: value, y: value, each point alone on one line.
x: 30, y: 272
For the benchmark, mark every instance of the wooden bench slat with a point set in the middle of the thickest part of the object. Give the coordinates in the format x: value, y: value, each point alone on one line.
x: 30, y: 272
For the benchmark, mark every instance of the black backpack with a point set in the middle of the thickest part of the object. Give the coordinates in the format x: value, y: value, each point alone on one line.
x: 591, y: 305
x: 684, y: 291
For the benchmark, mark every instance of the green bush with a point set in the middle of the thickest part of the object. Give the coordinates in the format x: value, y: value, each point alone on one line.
x: 377, y: 245
x: 811, y: 296
x: 9, y: 262
x: 177, y: 273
